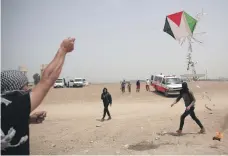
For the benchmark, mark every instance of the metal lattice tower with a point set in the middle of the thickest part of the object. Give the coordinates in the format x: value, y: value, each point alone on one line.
x: 23, y: 69
x: 42, y: 67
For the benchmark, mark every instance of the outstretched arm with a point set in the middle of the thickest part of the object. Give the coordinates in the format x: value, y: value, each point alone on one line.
x: 177, y: 100
x: 51, y: 73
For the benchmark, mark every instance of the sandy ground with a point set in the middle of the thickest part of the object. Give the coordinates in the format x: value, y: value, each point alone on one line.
x: 143, y: 123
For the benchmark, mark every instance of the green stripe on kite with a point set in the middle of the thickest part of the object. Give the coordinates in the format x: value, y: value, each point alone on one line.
x: 191, y: 21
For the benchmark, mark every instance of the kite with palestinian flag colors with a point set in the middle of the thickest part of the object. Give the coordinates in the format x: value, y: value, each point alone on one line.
x: 180, y: 25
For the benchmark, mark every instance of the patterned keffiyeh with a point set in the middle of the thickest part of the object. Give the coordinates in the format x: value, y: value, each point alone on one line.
x: 12, y: 80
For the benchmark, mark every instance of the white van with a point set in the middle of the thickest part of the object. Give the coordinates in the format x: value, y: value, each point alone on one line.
x: 78, y: 82
x: 169, y: 85
x: 59, y: 83
x: 71, y: 83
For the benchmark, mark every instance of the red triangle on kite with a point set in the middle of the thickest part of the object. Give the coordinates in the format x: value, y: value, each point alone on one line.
x: 176, y: 18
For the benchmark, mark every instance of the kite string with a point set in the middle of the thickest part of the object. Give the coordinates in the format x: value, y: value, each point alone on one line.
x: 200, y: 15
x: 224, y: 126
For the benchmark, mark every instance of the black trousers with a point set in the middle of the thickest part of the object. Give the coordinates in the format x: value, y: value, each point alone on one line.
x: 106, y: 111
x: 192, y: 114
x: 129, y: 89
x: 123, y: 89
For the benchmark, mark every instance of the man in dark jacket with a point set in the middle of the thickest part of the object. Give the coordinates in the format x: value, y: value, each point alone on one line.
x: 189, y: 101
x: 107, y: 99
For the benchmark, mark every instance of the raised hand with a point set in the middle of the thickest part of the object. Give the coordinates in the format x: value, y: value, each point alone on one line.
x: 67, y: 45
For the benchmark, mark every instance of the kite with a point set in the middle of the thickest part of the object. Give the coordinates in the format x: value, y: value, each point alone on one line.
x: 181, y: 26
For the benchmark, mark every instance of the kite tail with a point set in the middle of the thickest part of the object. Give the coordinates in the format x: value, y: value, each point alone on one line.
x: 196, y: 40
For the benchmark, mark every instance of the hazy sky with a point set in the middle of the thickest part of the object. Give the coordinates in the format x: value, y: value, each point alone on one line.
x: 115, y: 39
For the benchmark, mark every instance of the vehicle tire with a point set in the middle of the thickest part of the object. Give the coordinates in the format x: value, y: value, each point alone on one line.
x: 166, y: 94
x: 156, y: 88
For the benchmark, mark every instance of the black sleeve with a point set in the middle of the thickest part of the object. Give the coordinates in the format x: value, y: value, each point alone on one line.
x: 102, y: 96
x: 192, y: 97
x: 179, y: 97
x: 110, y: 98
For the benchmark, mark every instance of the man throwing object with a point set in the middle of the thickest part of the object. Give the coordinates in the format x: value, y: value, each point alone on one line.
x: 189, y: 101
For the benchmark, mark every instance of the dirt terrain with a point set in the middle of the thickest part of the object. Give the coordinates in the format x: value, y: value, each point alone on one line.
x: 142, y: 123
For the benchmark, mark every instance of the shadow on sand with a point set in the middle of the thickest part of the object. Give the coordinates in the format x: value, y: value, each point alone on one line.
x: 102, y: 120
x: 176, y: 134
x: 145, y: 145
x: 182, y: 134
x: 161, y: 94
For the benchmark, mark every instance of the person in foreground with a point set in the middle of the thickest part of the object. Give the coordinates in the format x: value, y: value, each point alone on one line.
x: 14, y: 80
x: 16, y: 105
x: 107, y: 99
x: 189, y: 101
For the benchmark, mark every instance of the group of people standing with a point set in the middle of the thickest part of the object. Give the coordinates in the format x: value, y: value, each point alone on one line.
x: 124, y: 83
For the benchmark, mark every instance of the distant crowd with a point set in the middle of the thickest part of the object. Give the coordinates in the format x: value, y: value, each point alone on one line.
x: 128, y: 84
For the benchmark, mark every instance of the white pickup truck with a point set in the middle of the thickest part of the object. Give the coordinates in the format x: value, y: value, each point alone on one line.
x: 59, y: 83
x: 78, y: 82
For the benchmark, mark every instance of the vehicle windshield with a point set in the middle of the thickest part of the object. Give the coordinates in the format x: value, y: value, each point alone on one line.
x: 173, y: 81
x: 59, y: 81
x: 78, y: 80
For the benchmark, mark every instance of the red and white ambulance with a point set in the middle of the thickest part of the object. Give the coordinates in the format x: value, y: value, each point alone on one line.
x: 169, y: 85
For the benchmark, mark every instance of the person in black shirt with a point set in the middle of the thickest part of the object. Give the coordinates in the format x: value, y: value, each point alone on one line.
x: 107, y: 99
x: 17, y: 104
x: 138, y: 86
x: 189, y: 101
x: 16, y: 80
x: 123, y: 86
x: 15, y: 111
x: 129, y: 86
